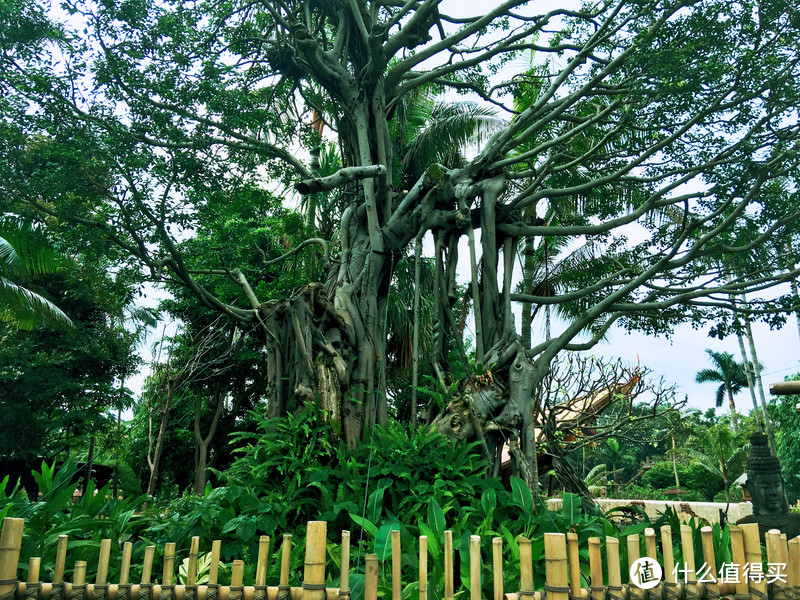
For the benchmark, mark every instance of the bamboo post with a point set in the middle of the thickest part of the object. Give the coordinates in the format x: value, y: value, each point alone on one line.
x: 32, y: 585
x: 10, y: 544
x: 314, y: 573
x: 79, y: 581
x: 260, y: 584
x: 236, y: 591
x: 668, y: 555
x: 774, y: 556
x: 169, y: 563
x: 650, y: 543
x: 213, y: 566
x: 475, y: 567
x: 556, y: 567
x: 687, y: 550
x: 124, y: 587
x: 212, y: 589
x: 752, y: 553
x: 167, y: 587
x: 34, y: 566
x: 448, y: 565
x: 125, y: 565
x: 712, y: 588
x: 423, y: 567
x: 615, y: 588
x: 101, y: 580
x: 634, y: 592
x: 61, y: 559
x: 191, y: 568
x: 344, y: 579
x: 596, y: 569
x: 371, y: 577
x: 574, y: 564
x: 397, y: 584
x: 793, y: 565
x: 497, y: 567
x: 738, y: 560
x: 146, y: 586
x: 286, y: 555
x: 525, y: 569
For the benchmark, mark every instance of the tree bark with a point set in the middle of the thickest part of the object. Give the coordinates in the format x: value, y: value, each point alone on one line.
x: 757, y: 371
x: 201, y: 464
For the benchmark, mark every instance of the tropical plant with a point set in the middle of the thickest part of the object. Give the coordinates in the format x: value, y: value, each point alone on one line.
x: 731, y: 376
x: 24, y: 252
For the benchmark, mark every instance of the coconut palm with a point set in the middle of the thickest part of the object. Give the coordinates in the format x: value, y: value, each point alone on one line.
x: 731, y: 376
x: 718, y: 450
x: 24, y: 252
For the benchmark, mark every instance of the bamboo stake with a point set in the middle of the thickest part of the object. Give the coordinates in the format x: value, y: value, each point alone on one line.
x: 79, y: 581
x: 793, y: 565
x: 650, y: 543
x: 595, y: 569
x: 612, y: 565
x: 525, y: 569
x: 371, y: 577
x: 475, y: 567
x: 574, y: 564
x: 147, y: 565
x: 556, y: 567
x: 34, y: 565
x: 448, y: 565
x: 10, y: 544
x: 169, y: 563
x: 497, y: 567
x: 286, y: 555
x: 125, y: 567
x: 61, y: 559
x: 397, y: 590
x: 634, y: 592
x: 738, y: 560
x: 236, y: 590
x: 191, y: 569
x: 314, y: 573
x: 259, y: 589
x: 423, y: 567
x: 752, y: 552
x: 687, y: 550
x: 213, y: 567
x: 102, y: 562
x: 344, y: 579
x: 774, y: 556
x: 668, y: 554
x: 711, y: 562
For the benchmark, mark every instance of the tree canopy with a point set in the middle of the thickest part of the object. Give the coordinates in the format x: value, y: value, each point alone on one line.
x: 662, y: 133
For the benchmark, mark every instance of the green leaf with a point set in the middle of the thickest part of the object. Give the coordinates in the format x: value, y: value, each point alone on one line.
x: 520, y: 494
x: 571, y: 508
x: 383, y: 540
x: 488, y: 500
x: 436, y: 519
x: 366, y: 524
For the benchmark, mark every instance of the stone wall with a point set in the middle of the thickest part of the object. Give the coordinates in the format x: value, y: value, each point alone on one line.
x: 708, y: 511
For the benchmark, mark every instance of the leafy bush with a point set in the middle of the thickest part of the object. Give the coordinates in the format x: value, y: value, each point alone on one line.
x: 88, y: 520
x: 693, y: 477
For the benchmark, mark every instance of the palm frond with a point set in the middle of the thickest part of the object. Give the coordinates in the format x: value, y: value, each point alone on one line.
x: 24, y: 307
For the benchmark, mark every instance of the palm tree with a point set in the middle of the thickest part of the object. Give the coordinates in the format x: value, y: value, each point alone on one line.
x: 717, y: 450
x: 731, y: 376
x: 24, y: 252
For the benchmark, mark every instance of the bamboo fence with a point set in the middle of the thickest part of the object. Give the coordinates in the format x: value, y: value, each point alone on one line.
x: 563, y: 576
